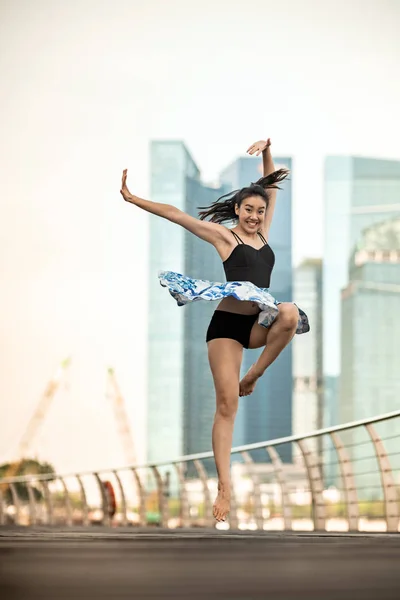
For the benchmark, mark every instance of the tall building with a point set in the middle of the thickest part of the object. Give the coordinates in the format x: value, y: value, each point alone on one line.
x: 370, y: 381
x: 370, y: 358
x: 307, y: 351
x: 267, y: 413
x: 359, y: 192
x: 181, y: 399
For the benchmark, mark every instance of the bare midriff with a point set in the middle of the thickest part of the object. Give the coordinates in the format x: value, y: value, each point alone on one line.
x: 241, y: 307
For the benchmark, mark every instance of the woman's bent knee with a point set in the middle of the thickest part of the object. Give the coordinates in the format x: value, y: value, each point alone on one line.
x: 227, y: 406
x: 288, y: 315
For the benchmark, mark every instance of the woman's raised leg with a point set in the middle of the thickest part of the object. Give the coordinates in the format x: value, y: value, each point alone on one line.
x: 225, y: 357
x: 275, y: 339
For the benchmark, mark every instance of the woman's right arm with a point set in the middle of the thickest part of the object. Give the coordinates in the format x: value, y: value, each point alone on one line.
x: 213, y: 233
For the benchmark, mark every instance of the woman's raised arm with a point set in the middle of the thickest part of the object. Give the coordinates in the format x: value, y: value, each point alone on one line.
x: 213, y: 233
x: 264, y: 147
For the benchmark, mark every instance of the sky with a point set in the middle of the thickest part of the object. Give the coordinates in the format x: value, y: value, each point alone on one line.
x: 85, y: 87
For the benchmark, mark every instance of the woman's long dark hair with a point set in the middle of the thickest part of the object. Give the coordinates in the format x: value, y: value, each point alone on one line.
x: 223, y: 209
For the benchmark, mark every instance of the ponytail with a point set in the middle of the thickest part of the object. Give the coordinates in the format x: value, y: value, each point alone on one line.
x: 222, y: 209
x: 270, y: 181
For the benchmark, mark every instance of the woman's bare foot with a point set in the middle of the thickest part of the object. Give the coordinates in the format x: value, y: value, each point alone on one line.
x: 248, y: 383
x: 222, y: 503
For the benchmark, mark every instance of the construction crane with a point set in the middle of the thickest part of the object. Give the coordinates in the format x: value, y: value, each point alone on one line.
x: 37, y: 418
x: 121, y: 417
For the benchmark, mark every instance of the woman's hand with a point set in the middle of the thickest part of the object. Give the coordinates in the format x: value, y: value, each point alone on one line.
x: 259, y: 147
x: 124, y: 188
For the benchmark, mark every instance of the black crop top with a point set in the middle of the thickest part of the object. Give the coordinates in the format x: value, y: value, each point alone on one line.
x: 246, y: 263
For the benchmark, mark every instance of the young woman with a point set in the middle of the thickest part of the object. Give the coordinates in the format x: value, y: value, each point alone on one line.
x: 247, y: 316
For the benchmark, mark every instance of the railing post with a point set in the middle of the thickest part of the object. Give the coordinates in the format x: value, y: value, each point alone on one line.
x: 350, y: 489
x: 388, y: 485
x: 258, y: 512
x: 162, y: 504
x: 142, y: 497
x: 183, y: 497
x: 123, y: 500
x: 316, y: 485
x: 85, y: 520
x: 16, y: 502
x: 2, y: 511
x: 67, y: 503
x: 209, y: 521
x: 32, y: 503
x: 278, y: 469
x: 48, y: 502
x: 104, y: 500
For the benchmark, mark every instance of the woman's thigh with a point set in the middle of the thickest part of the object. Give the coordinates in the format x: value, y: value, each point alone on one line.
x: 225, y: 358
x: 259, y: 334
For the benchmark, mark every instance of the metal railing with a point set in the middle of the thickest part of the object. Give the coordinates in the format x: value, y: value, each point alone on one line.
x: 343, y: 478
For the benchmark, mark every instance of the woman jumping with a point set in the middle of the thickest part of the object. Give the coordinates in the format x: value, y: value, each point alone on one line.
x: 247, y: 315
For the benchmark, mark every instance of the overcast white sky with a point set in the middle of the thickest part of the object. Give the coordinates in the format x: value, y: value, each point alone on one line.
x: 84, y: 87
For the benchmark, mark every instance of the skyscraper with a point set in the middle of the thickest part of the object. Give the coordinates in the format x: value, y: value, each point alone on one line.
x: 370, y: 358
x: 307, y: 350
x: 267, y: 413
x: 181, y: 400
x: 359, y: 192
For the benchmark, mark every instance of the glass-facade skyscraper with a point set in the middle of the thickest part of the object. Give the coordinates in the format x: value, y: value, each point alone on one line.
x: 307, y: 350
x: 267, y: 413
x: 181, y: 399
x: 370, y: 381
x: 370, y: 357
x: 359, y: 192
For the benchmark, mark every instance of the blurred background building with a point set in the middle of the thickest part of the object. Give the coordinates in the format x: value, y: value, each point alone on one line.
x: 359, y: 192
x: 370, y: 346
x: 181, y: 399
x: 362, y: 207
x: 307, y: 351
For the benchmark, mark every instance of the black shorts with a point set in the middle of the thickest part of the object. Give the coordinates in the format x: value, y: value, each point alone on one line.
x: 231, y: 325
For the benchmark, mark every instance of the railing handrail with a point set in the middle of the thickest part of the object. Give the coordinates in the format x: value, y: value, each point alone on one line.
x: 209, y: 454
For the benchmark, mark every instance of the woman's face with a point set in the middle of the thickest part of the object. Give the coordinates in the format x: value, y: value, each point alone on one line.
x: 251, y: 214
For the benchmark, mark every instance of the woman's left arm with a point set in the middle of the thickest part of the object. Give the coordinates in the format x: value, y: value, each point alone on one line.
x: 264, y: 147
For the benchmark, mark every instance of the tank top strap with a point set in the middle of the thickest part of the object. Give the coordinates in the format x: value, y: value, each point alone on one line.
x: 237, y: 238
x: 262, y: 238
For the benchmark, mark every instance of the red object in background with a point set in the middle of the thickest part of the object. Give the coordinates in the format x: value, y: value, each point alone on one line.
x: 111, y: 500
